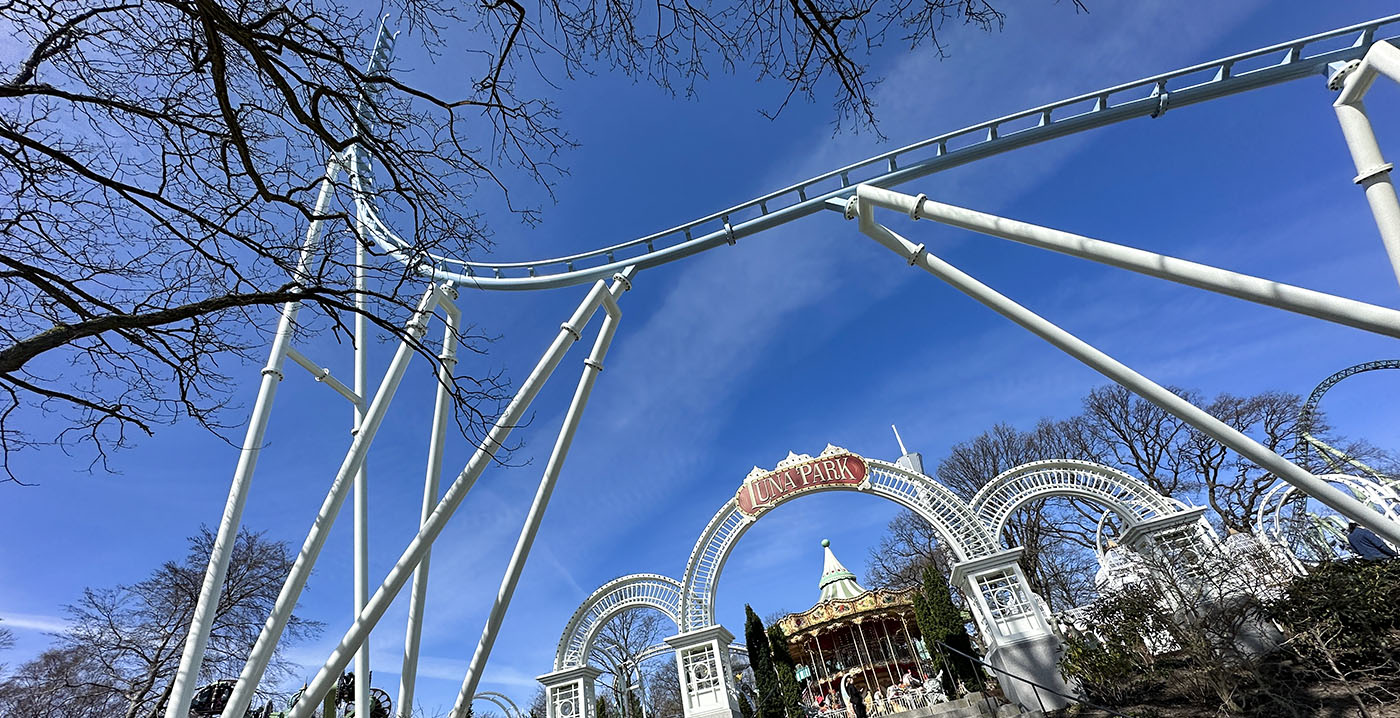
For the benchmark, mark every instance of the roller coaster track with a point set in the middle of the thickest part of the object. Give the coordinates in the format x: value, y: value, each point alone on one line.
x: 1307, y: 415
x: 1148, y: 97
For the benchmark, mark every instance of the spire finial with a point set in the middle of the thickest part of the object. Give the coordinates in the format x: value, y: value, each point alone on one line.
x: 826, y: 542
x: 902, y: 450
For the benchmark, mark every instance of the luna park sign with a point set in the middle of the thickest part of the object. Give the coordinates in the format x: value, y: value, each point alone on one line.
x: 762, y: 491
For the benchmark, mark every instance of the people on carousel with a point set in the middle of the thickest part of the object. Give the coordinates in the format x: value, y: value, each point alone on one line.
x: 1367, y: 544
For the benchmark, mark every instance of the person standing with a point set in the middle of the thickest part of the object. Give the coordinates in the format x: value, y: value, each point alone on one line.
x: 855, y: 706
x: 1367, y: 544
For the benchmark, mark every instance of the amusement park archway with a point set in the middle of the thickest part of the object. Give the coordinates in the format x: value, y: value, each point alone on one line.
x: 1352, y: 58
x: 1010, y: 617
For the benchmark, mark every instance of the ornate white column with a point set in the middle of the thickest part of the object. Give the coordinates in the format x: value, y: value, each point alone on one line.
x: 570, y: 693
x: 702, y: 658
x: 1180, y: 540
x: 1018, y: 632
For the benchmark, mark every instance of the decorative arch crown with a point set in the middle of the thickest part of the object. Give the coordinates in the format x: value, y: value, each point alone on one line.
x: 622, y: 594
x: 1129, y: 497
x: 956, y: 524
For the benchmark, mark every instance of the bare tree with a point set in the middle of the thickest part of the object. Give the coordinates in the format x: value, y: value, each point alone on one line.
x: 63, y: 682
x: 122, y: 647
x: 1233, y: 486
x: 620, y: 642
x: 908, y: 546
x: 539, y: 704
x: 663, y: 697
x: 1124, y: 430
x: 1056, y: 533
x: 160, y: 163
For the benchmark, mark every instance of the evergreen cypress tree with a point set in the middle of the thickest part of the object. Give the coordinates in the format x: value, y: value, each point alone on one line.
x: 787, y: 673
x: 770, y: 696
x: 745, y: 707
x: 946, y: 624
x: 634, y: 705
x: 930, y: 633
x: 600, y: 708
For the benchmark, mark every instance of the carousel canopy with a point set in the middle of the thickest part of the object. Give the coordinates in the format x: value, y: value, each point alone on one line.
x: 836, y: 581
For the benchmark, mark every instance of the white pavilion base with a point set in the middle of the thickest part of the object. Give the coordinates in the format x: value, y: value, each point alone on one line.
x: 1036, y: 659
x: 702, y: 656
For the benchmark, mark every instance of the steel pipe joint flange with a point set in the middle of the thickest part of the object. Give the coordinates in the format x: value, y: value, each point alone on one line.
x: 914, y: 210
x: 1373, y: 173
x: 1340, y: 71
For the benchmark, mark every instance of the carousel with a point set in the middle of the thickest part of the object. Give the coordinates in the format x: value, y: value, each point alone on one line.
x: 857, y: 644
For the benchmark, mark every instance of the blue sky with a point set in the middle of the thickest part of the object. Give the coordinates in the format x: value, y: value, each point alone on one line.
x: 802, y: 336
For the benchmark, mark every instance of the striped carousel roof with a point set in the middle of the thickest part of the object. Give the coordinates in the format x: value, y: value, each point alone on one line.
x: 836, y: 581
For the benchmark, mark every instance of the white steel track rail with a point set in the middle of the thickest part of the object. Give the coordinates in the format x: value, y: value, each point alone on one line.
x: 1148, y: 97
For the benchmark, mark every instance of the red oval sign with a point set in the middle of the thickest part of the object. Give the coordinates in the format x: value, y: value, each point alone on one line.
x: 760, y: 493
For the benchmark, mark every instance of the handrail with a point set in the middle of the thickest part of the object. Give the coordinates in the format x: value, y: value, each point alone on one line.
x: 1150, y: 96
x: 1037, y: 686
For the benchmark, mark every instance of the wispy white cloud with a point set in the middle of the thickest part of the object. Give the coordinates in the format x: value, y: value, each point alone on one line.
x: 33, y: 622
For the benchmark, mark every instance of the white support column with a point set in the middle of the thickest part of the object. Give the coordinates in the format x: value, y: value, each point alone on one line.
x: 1338, y: 500
x: 442, y: 414
x: 1019, y: 637
x: 702, y: 658
x: 316, y: 538
x: 485, y: 454
x: 1372, y: 171
x: 361, y: 540
x: 570, y: 693
x: 182, y: 688
x: 1352, y: 313
x: 592, y: 366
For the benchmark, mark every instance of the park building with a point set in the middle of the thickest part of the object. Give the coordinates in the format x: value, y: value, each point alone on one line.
x: 857, y: 637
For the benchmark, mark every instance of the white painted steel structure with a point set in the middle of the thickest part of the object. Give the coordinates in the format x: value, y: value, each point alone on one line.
x: 856, y: 190
x: 1283, y: 518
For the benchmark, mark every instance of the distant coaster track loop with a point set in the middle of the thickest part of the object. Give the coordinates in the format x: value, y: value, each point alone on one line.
x: 1270, y: 65
x: 1307, y: 415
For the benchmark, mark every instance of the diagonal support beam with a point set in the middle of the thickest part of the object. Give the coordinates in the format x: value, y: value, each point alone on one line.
x: 1115, y: 370
x: 211, y: 590
x: 1350, y: 312
x: 442, y: 414
x: 592, y: 366
x: 266, y: 644
x: 569, y: 332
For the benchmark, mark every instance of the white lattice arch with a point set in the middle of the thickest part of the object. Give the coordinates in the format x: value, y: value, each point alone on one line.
x: 506, y: 705
x: 1269, y: 520
x: 638, y: 590
x: 957, y: 526
x: 1133, y: 500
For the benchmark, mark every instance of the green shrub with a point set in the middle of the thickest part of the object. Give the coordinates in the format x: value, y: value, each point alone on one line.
x: 1349, y: 605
